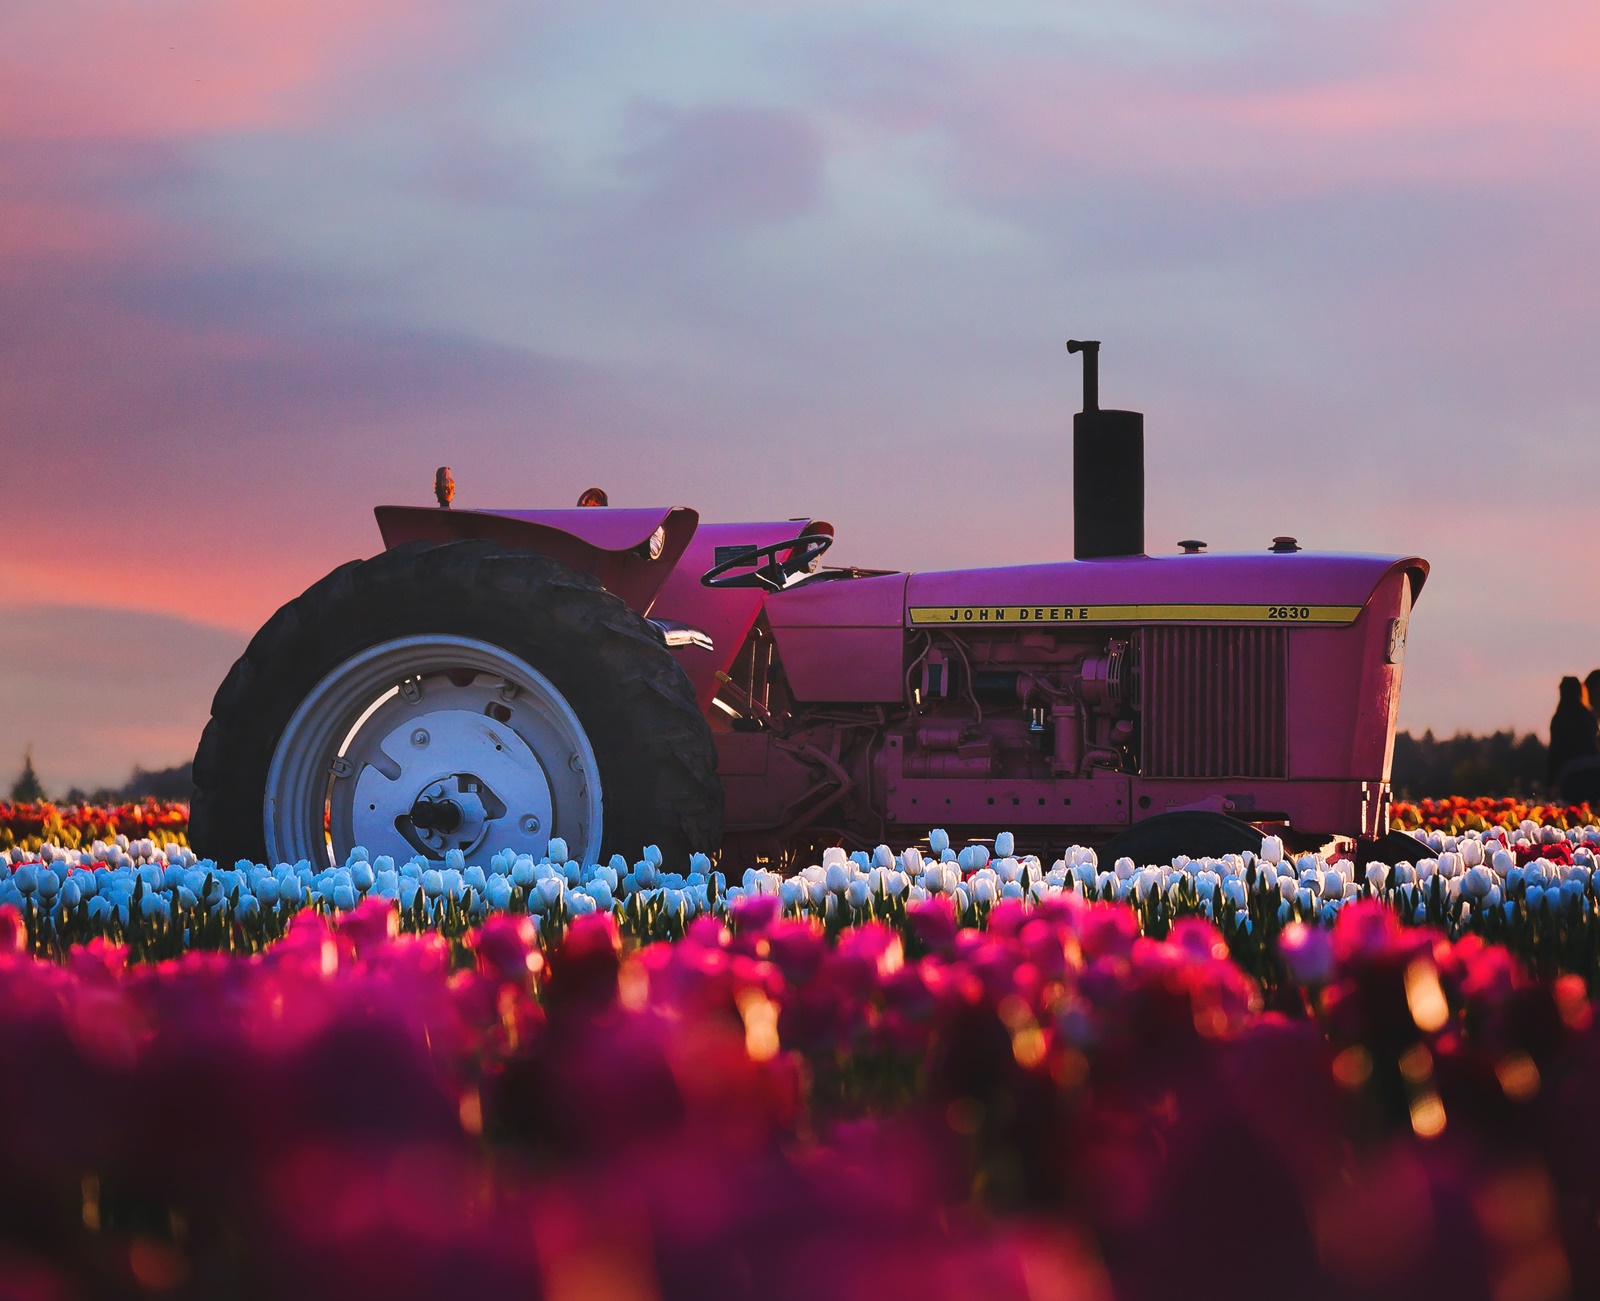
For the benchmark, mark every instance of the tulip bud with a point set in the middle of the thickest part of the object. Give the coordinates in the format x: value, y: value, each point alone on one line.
x: 652, y: 853
x: 1271, y: 849
x: 1377, y: 875
x: 1307, y: 952
x: 857, y: 893
x: 1005, y: 845
x: 362, y: 876
x: 837, y: 878
x: 1124, y: 868
x: 1476, y: 882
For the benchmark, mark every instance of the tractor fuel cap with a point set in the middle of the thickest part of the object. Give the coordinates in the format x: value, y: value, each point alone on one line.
x: 1285, y: 544
x: 1192, y: 546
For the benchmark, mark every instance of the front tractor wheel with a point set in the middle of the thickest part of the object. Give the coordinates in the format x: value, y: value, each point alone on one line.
x: 458, y: 697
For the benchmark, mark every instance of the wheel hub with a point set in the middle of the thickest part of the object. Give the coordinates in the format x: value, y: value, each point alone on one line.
x: 428, y: 744
x: 448, y: 779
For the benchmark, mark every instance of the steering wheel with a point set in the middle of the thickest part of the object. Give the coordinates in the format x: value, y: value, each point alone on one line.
x: 775, y: 574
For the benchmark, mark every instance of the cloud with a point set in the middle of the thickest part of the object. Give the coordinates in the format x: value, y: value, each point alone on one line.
x: 724, y: 166
x: 129, y: 69
x: 1300, y: 102
x: 96, y: 691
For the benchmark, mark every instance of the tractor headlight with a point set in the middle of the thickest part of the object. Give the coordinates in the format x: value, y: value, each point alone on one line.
x: 658, y: 542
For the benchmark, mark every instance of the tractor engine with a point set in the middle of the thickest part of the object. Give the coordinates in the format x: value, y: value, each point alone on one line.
x: 1035, y: 705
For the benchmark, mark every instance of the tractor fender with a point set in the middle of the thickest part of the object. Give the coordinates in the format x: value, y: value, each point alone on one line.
x: 613, y: 545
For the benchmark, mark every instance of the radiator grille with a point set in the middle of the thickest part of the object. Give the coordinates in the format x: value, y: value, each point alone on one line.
x: 1215, y: 702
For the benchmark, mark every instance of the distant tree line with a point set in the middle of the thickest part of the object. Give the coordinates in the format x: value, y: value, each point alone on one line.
x: 1498, y: 765
x: 176, y: 783
x: 1425, y: 766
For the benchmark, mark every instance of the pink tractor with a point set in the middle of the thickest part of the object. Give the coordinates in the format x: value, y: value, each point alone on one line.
x: 615, y: 678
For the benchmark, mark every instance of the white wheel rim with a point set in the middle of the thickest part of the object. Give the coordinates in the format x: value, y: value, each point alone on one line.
x: 424, y: 744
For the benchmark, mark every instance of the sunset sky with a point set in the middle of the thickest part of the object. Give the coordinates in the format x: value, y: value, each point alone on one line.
x: 264, y: 264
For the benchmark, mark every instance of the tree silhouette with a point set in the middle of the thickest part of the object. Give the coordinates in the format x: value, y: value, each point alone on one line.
x: 26, y: 789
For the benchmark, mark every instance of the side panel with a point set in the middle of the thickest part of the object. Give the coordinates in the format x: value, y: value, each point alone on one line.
x: 1344, y: 693
x: 843, y: 640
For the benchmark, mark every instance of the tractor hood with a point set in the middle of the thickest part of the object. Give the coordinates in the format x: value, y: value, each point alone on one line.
x: 631, y: 551
x: 1296, y: 587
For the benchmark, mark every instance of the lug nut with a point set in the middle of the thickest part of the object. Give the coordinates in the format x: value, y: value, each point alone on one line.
x: 420, y: 737
x: 530, y: 824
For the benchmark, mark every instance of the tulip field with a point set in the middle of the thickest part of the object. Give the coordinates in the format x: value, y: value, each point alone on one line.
x: 937, y: 1071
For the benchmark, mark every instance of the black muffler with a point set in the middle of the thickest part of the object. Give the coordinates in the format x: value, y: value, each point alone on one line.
x: 1107, y: 470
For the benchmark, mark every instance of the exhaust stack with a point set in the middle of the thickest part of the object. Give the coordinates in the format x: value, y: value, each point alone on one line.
x: 1107, y: 470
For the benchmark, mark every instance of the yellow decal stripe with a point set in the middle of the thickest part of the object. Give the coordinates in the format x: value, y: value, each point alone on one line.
x: 966, y: 615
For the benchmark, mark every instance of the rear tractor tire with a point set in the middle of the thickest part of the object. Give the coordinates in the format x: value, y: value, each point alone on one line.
x: 464, y: 696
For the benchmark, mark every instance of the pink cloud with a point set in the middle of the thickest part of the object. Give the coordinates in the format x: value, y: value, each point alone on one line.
x: 1460, y: 93
x: 187, y: 68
